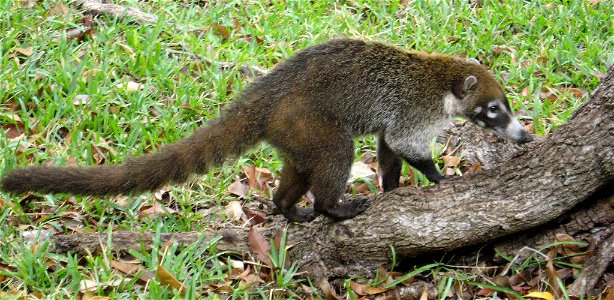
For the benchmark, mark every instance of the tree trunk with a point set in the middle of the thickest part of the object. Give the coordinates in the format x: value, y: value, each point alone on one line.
x: 530, y: 187
x: 537, y: 184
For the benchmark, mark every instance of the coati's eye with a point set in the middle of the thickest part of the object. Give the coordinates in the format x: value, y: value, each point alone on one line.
x: 494, y: 109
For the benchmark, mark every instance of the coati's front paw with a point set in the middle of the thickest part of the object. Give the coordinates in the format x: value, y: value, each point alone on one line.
x: 435, y: 177
x: 448, y: 177
x: 300, y: 215
x: 347, y: 210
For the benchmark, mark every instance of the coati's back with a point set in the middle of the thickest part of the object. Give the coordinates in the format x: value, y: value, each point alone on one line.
x: 364, y: 86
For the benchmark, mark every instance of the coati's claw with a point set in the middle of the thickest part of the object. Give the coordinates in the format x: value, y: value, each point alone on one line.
x: 347, y: 210
x: 447, y: 177
x: 436, y: 178
x: 301, y: 215
x: 363, y: 204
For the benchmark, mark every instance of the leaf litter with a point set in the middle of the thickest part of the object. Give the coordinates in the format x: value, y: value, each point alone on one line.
x: 537, y: 281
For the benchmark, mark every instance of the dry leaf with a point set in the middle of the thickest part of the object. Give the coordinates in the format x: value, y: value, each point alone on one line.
x: 35, y: 235
x: 363, y: 189
x: 485, y: 292
x: 221, y: 31
x: 24, y: 51
x: 361, y: 170
x: 130, y: 86
x: 365, y: 290
x: 260, y: 246
x: 125, y: 268
x: 76, y: 33
x: 81, y: 99
x: 553, y: 276
x: 58, y: 10
x: 250, y: 280
x: 237, y: 25
x: 238, y: 188
x: 328, y: 290
x: 250, y: 172
x: 425, y: 294
x: 540, y: 295
x: 236, y: 264
x: 234, y: 211
x: 238, y: 273
x: 542, y: 60
x: 167, y: 279
x: 126, y: 48
x: 547, y: 94
x: 309, y: 290
x: 255, y: 216
x: 92, y: 285
x: 263, y: 176
x: 451, y: 161
x: 155, y: 210
x: 257, y: 177
x: 567, y: 249
x: 576, y: 92
x: 163, y: 195
x: 264, y: 173
x: 397, y: 275
x: 500, y: 49
x: 90, y: 73
x: 13, y: 118
x: 13, y: 131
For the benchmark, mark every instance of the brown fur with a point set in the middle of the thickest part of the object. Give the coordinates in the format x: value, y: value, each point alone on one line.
x: 310, y: 108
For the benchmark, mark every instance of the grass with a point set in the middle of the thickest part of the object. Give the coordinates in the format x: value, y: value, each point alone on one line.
x: 533, y: 47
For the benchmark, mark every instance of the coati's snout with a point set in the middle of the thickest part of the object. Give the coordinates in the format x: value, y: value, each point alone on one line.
x: 519, y: 136
x: 486, y: 105
x: 497, y: 115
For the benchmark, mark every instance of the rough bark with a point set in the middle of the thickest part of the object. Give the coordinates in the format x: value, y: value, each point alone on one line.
x: 532, y: 186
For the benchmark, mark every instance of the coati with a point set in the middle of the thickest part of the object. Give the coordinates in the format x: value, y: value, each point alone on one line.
x: 310, y: 108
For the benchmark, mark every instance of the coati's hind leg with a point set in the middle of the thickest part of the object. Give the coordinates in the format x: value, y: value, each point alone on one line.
x: 389, y: 165
x: 329, y: 180
x: 294, y: 184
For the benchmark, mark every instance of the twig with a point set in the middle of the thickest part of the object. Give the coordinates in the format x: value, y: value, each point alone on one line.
x: 117, y: 11
x: 594, y: 267
x: 75, y: 33
x: 509, y: 265
x: 245, y: 69
x: 264, y: 200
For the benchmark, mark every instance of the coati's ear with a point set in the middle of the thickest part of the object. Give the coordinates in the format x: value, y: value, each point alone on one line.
x: 463, y: 86
x: 470, y: 84
x: 473, y: 60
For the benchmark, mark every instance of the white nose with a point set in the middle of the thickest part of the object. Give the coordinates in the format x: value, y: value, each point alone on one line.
x: 515, y: 132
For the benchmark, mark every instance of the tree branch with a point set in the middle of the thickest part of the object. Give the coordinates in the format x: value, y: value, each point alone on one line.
x: 231, y: 240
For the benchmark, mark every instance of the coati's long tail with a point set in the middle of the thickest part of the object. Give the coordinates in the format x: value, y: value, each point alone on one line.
x: 207, y: 147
